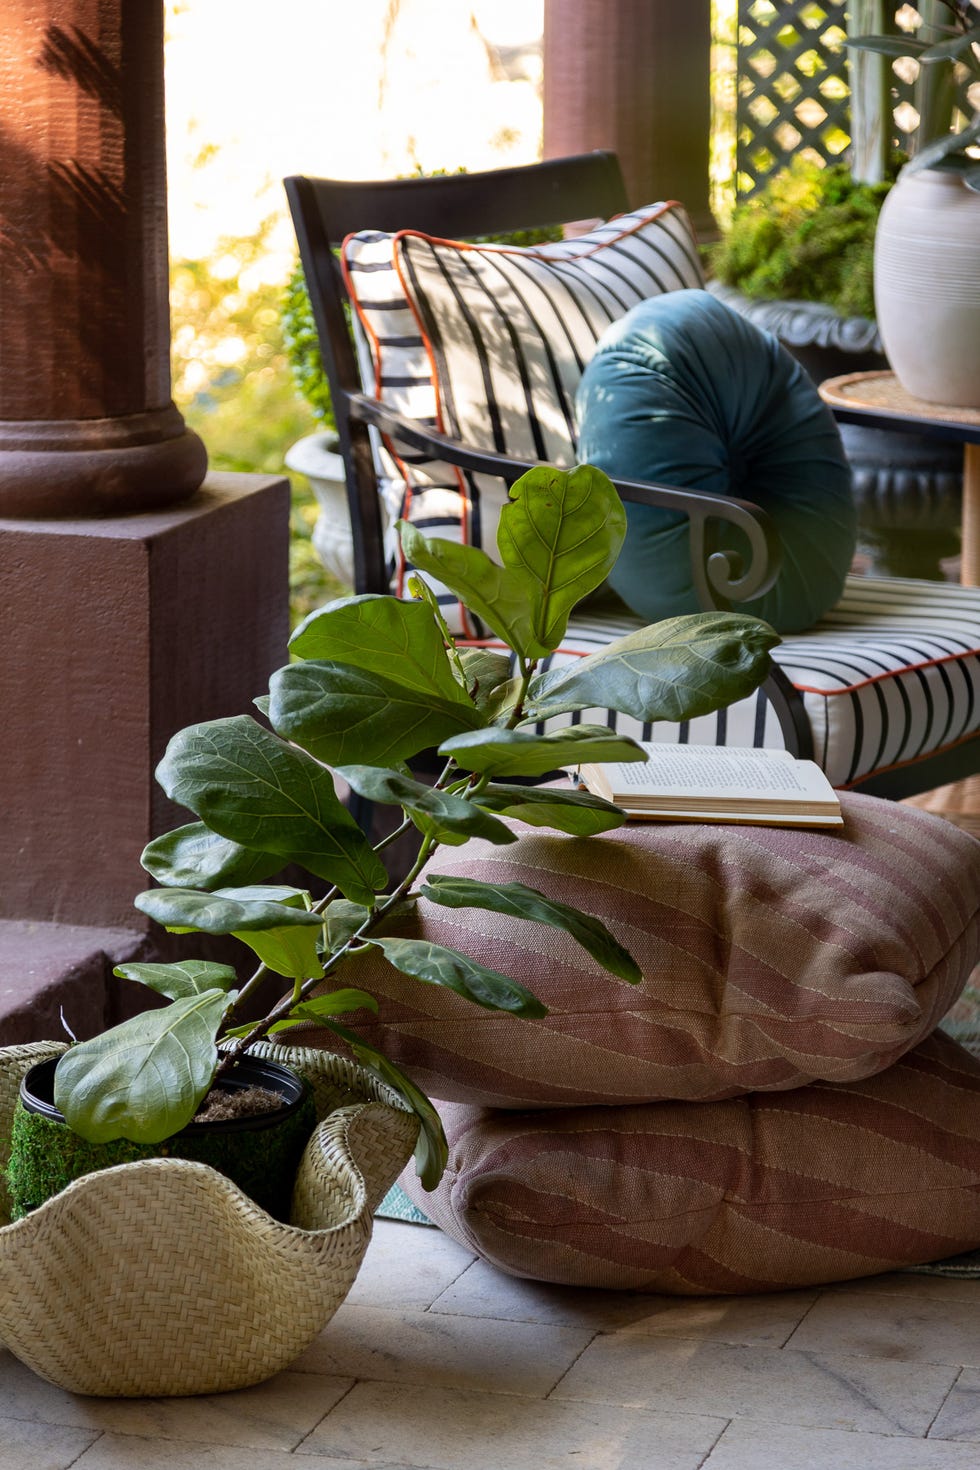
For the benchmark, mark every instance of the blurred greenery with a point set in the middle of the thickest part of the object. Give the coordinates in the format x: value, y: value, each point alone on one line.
x: 807, y: 235
x: 303, y: 348
x: 233, y: 383
x: 247, y: 376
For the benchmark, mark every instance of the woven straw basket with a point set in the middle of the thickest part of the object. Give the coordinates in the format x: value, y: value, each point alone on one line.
x: 162, y: 1277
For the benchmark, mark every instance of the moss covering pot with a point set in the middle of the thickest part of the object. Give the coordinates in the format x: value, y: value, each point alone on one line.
x: 260, y: 1152
x: 161, y: 1277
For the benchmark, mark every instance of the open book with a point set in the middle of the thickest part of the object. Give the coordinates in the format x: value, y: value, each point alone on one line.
x: 718, y: 783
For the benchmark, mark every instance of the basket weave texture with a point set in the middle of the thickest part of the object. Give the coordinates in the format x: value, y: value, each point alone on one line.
x: 162, y: 1278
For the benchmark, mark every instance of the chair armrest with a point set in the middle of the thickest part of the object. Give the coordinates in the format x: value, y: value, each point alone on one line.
x: 720, y: 577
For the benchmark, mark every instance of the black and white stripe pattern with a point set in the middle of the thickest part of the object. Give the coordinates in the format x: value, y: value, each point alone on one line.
x: 489, y: 342
x: 889, y: 676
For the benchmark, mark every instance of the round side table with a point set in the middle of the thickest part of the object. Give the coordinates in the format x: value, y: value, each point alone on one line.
x: 878, y: 400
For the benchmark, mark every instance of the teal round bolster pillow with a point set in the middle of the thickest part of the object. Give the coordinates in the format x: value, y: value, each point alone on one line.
x: 683, y: 391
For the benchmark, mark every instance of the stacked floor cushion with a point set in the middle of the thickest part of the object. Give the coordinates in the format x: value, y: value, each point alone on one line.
x: 760, y: 1193
x: 771, y: 957
x: 767, y: 1108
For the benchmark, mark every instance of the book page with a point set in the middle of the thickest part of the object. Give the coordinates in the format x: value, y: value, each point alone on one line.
x: 717, y: 771
x: 725, y: 771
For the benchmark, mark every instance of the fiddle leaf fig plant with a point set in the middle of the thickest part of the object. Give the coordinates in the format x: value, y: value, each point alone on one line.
x: 376, y: 680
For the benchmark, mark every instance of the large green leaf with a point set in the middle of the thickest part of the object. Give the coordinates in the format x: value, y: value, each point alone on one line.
x: 341, y: 715
x: 521, y: 902
x: 561, y: 534
x: 431, y: 1150
x: 381, y: 635
x: 887, y: 45
x: 949, y: 145
x: 577, y: 812
x: 486, y: 670
x: 496, y: 595
x: 440, y: 966
x: 195, y: 857
x: 143, y: 1080
x: 287, y: 951
x: 956, y: 48
x: 673, y: 670
x: 519, y: 753
x: 343, y: 919
x: 450, y: 819
x: 336, y: 1003
x: 558, y: 537
x: 184, y: 909
x: 181, y: 979
x: 253, y: 788
x: 318, y: 1008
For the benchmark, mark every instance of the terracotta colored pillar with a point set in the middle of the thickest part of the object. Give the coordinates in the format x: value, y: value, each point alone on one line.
x: 87, y: 425
x: 133, y: 598
x: 633, y: 76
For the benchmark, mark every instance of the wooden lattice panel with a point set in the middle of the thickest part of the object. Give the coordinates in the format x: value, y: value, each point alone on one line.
x: 792, y: 92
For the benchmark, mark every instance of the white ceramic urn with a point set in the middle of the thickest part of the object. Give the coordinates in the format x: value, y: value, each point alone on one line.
x: 927, y: 286
x: 317, y: 459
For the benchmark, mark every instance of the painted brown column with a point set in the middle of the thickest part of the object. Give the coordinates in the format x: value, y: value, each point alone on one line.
x: 87, y: 425
x: 633, y: 76
x: 133, y: 598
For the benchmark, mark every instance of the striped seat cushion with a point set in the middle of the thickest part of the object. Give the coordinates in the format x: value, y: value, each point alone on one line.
x: 889, y: 676
x: 760, y: 1193
x: 770, y: 957
x: 487, y: 343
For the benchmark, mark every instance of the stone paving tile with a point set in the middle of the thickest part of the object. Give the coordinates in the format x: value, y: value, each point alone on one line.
x: 892, y: 1328
x: 745, y: 1446
x: 907, y: 1283
x: 407, y: 1266
x: 482, y: 1291
x: 452, y: 1430
x: 31, y: 1446
x: 959, y: 1417
x: 127, y: 1452
x: 272, y: 1415
x: 457, y: 1352
x: 828, y: 1391
x: 747, y: 1321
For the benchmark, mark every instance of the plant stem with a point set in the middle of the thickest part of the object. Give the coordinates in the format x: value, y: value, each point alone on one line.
x: 302, y: 988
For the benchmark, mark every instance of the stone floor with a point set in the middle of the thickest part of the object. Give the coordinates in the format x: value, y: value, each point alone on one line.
x: 438, y: 1361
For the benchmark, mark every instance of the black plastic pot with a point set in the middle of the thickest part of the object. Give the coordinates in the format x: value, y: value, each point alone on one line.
x: 260, y: 1152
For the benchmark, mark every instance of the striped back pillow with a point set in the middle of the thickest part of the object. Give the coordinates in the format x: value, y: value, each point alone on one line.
x: 487, y: 343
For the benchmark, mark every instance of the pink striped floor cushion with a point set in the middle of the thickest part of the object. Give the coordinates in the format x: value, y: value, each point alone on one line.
x: 771, y: 957
x: 759, y: 1193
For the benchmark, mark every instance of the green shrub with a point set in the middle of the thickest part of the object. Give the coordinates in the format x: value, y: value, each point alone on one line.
x: 233, y: 384
x: 808, y: 235
x: 303, y: 348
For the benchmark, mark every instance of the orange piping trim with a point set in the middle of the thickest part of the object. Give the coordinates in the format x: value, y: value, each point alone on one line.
x: 928, y: 663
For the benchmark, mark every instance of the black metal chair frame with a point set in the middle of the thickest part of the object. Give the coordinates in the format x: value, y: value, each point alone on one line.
x: 462, y: 206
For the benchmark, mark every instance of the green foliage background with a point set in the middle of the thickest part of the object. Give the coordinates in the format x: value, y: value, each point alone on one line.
x: 808, y: 235
x: 233, y: 383
x: 247, y: 377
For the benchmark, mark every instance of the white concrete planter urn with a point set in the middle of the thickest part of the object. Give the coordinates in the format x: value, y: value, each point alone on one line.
x: 316, y: 457
x: 927, y: 286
